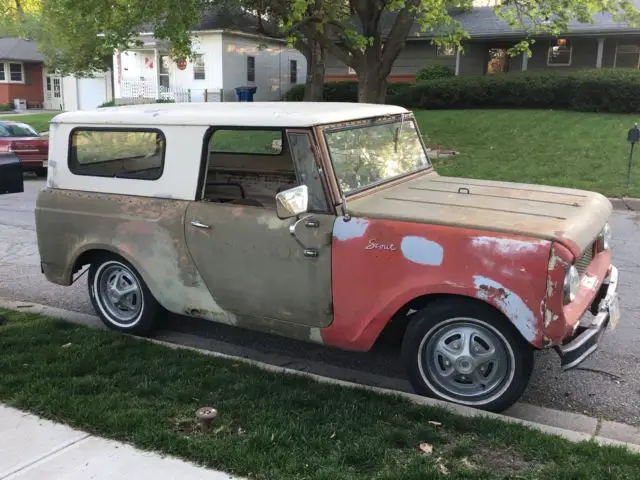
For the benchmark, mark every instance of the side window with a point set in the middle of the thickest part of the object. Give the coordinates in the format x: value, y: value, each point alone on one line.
x: 248, y: 167
x: 118, y: 153
x: 305, y: 161
x: 266, y: 142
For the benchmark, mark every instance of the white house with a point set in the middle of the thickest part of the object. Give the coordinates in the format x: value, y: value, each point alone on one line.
x: 70, y: 93
x: 225, y: 59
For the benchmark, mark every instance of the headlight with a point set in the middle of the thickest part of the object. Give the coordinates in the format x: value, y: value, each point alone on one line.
x: 605, y: 237
x: 571, y: 284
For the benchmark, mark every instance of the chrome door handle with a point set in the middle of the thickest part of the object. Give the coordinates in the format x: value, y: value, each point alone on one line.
x: 197, y: 224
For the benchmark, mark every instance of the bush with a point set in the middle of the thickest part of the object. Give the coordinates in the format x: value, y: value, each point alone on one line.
x: 433, y: 72
x: 605, y: 90
x: 6, y: 107
x: 110, y: 103
x: 346, y: 91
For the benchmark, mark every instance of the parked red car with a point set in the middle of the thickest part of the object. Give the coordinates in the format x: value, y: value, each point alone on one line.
x: 27, y: 144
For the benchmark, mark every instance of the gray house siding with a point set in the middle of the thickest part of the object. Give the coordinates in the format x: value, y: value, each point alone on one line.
x: 412, y: 58
x: 473, y: 60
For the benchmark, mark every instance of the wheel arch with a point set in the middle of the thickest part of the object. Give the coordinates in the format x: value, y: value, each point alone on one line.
x: 87, y: 253
x: 397, y: 324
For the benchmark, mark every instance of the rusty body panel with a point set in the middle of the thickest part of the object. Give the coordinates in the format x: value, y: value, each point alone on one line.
x: 147, y: 232
x: 254, y: 267
x: 571, y: 217
x: 381, y: 265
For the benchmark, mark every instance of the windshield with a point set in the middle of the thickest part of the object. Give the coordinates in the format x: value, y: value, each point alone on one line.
x: 17, y: 130
x: 369, y: 154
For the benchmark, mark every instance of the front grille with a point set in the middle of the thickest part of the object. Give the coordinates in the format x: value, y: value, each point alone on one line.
x: 585, y: 260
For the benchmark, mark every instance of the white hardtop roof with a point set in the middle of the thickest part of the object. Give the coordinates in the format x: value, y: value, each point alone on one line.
x: 233, y: 114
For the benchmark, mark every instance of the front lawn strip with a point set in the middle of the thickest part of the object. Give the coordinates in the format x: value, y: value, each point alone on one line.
x: 270, y: 426
x: 39, y: 121
x: 549, y: 147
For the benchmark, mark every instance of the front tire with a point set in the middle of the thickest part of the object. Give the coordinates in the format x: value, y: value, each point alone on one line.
x: 120, y: 296
x: 465, y: 352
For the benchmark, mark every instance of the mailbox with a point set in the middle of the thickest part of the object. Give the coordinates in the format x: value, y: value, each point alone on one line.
x: 11, y: 180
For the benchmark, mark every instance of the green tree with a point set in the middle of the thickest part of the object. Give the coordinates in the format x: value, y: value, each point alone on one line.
x: 352, y: 30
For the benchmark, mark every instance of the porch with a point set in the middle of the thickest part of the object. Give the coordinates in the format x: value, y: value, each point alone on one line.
x: 147, y: 75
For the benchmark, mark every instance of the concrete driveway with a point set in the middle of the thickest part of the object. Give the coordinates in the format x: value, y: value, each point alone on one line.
x: 606, y: 386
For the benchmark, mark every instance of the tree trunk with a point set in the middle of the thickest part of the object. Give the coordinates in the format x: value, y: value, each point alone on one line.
x: 314, y: 88
x: 372, y: 88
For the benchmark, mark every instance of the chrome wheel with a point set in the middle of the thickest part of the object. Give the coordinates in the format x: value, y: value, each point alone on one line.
x: 119, y: 294
x: 466, y: 359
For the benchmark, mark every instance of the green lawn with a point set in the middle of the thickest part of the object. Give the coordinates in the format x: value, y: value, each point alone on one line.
x: 39, y: 121
x: 581, y: 150
x: 269, y: 426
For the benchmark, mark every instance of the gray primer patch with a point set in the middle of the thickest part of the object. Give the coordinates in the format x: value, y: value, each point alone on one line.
x: 354, y: 228
x: 422, y: 251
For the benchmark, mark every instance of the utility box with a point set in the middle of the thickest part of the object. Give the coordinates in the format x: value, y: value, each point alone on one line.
x: 19, y: 104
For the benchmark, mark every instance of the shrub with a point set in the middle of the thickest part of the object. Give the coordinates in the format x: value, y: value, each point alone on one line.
x: 433, y: 72
x: 110, y: 103
x: 6, y: 107
x: 605, y: 90
x: 346, y: 91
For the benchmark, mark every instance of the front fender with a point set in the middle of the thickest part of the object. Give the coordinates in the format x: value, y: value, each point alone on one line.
x: 379, y: 266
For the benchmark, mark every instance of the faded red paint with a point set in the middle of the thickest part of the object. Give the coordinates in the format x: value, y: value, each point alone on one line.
x: 564, y: 317
x: 371, y: 284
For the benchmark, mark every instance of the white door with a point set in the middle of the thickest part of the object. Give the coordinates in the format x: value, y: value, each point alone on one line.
x: 53, y: 93
x: 92, y: 92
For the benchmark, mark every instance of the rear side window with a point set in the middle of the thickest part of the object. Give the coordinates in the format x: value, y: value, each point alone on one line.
x: 130, y: 153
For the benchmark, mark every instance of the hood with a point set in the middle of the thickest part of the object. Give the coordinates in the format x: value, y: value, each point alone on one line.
x: 572, y: 217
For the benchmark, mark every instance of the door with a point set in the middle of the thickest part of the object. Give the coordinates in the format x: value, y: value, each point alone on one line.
x: 498, y: 60
x: 254, y: 265
x: 163, y: 74
x: 53, y: 95
x: 91, y: 93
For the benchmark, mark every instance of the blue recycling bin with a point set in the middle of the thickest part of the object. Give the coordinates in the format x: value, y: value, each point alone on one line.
x: 245, y: 94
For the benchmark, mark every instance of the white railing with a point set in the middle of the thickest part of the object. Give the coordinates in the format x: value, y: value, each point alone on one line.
x: 141, y: 91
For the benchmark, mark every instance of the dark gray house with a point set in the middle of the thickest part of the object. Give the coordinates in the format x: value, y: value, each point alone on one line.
x: 601, y: 44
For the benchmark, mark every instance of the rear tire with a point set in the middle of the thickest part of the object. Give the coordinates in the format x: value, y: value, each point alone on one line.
x: 120, y: 296
x: 465, y: 352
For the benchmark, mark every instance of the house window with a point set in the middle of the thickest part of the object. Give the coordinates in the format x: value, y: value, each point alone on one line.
x: 445, y: 50
x: 627, y: 56
x: 198, y: 68
x: 559, y: 53
x: 251, y: 69
x: 11, y: 72
x: 293, y: 72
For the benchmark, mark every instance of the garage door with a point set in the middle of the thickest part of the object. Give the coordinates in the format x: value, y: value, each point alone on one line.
x: 92, y: 92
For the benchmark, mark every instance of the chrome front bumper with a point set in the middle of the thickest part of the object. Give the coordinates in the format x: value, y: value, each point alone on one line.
x: 587, y: 335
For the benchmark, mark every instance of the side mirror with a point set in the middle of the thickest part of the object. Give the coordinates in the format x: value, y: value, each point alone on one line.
x: 11, y: 180
x: 292, y: 202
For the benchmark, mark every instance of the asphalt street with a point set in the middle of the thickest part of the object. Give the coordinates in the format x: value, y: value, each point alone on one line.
x: 605, y: 386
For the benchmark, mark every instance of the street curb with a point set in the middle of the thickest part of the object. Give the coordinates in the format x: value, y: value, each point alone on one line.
x: 626, y: 203
x: 522, y: 409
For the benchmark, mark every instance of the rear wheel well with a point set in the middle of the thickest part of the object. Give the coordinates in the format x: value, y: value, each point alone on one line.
x: 86, y: 258
x: 393, y: 332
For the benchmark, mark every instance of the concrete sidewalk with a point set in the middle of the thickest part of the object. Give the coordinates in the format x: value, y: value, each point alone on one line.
x: 34, y: 448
